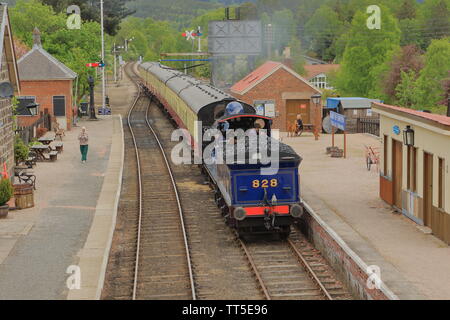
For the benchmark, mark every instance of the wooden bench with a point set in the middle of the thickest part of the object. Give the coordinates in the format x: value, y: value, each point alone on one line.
x: 27, y: 177
x: 53, y: 155
x: 31, y: 160
x: 58, y: 146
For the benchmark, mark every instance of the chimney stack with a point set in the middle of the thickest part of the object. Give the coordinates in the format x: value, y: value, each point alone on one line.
x: 37, y: 38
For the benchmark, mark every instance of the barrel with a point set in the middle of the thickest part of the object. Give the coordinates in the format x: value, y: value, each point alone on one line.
x: 24, y: 195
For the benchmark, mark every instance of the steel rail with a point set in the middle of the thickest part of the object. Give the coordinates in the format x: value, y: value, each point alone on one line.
x: 309, y: 270
x: 139, y: 172
x: 255, y: 269
x: 177, y: 196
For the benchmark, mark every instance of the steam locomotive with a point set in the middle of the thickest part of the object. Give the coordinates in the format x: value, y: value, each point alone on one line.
x: 254, y: 176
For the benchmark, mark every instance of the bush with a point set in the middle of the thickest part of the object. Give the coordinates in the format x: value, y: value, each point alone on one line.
x: 21, y: 150
x: 6, y: 191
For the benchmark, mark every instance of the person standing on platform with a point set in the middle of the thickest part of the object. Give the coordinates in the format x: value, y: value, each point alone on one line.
x: 84, y: 144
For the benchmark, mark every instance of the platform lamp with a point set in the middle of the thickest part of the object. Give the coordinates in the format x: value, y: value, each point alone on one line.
x: 91, y: 83
x: 316, y: 99
x: 408, y: 136
x: 33, y: 108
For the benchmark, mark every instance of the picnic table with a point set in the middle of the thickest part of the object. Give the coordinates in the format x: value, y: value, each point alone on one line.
x: 40, y: 150
x: 25, y: 176
x: 46, y: 140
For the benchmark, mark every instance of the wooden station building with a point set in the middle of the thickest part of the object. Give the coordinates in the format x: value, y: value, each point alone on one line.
x: 415, y: 163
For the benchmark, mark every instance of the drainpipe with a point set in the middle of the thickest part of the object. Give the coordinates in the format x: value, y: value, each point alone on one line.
x: 448, y: 107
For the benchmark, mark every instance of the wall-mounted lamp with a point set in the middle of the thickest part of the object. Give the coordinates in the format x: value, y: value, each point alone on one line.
x: 33, y: 108
x: 408, y: 136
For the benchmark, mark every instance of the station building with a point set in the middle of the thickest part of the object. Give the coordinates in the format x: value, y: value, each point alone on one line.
x: 277, y: 91
x: 47, y: 82
x: 415, y: 161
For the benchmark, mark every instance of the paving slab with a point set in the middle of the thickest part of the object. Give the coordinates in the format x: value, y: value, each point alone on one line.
x: 45, y: 240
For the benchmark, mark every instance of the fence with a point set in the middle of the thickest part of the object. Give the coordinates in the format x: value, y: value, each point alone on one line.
x: 366, y: 125
x: 27, y: 134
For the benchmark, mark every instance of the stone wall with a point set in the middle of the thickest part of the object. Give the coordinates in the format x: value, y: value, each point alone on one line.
x: 6, y: 124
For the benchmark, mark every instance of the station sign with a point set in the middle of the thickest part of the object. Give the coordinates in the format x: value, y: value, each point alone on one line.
x: 338, y: 120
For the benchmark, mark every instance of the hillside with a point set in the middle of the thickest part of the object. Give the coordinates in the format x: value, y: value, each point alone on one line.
x: 179, y: 11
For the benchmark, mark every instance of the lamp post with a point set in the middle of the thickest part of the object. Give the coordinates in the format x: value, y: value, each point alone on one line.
x: 316, y: 99
x: 91, y: 102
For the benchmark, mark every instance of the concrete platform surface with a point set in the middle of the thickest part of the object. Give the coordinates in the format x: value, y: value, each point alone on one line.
x: 39, y: 245
x: 414, y: 264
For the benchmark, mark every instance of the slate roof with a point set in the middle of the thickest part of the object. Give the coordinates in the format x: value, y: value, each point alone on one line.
x: 7, y: 47
x: 38, y: 64
x: 350, y: 103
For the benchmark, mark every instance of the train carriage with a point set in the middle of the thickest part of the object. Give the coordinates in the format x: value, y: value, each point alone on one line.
x: 251, y: 201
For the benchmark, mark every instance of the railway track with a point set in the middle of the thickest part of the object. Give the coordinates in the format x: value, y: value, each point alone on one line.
x: 224, y: 266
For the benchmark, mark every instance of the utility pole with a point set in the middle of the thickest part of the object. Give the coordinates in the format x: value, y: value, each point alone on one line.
x: 103, y: 56
x: 114, y: 53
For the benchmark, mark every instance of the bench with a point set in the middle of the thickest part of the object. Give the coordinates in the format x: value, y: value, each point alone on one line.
x: 26, y: 177
x: 53, y: 155
x: 58, y: 146
x: 31, y: 160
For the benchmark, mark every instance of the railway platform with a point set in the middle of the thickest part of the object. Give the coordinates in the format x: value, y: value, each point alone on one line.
x: 345, y: 195
x: 73, y: 204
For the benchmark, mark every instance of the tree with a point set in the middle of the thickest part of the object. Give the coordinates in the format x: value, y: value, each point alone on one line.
x: 366, y: 50
x: 407, y: 10
x: 323, y: 30
x: 284, y: 28
x: 114, y: 11
x: 432, y: 77
x: 406, y: 90
x: 407, y: 59
x: 298, y: 62
x: 435, y: 20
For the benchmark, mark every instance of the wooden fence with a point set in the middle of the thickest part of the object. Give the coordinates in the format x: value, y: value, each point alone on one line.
x: 366, y: 125
x: 27, y: 134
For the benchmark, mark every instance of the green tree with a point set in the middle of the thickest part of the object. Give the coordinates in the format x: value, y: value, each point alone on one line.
x: 431, y: 78
x: 366, y: 50
x: 435, y: 20
x: 324, y: 28
x: 406, y: 91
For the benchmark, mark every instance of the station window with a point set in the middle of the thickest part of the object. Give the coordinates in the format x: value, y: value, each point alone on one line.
x: 412, y: 169
x: 441, y: 183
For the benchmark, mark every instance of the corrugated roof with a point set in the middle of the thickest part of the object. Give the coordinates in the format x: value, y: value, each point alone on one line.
x: 316, y: 69
x: 351, y: 103
x: 38, y: 64
x: 262, y: 73
x: 442, y: 119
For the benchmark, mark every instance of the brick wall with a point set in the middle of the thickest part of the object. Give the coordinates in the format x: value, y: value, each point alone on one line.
x: 6, y: 124
x: 44, y: 92
x: 272, y: 88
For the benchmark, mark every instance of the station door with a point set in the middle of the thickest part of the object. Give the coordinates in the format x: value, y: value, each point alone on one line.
x: 294, y: 107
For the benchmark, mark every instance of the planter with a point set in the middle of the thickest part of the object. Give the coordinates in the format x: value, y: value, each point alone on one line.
x: 24, y: 195
x: 332, y: 149
x: 4, y: 211
x: 339, y: 153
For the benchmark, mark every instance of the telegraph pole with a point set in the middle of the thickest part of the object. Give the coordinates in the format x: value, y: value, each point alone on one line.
x: 103, y: 56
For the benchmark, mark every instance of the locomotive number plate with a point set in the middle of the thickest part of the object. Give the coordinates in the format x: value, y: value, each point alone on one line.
x: 273, y: 183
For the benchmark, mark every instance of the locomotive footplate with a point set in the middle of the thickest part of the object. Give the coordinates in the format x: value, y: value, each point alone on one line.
x: 259, y: 223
